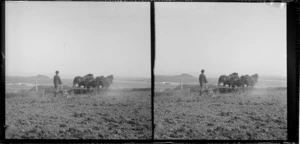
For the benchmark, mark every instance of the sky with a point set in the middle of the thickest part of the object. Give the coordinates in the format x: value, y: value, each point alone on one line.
x: 221, y: 38
x: 77, y: 38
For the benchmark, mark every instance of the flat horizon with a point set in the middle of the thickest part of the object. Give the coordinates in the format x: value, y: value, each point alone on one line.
x: 69, y: 77
x: 216, y: 76
x: 140, y: 77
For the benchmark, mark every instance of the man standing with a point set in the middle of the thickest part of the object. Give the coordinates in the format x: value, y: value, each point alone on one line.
x: 202, y: 81
x: 57, y: 82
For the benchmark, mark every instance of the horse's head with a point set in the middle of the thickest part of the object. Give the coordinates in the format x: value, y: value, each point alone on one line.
x: 88, y: 78
x: 90, y: 75
x: 77, y: 79
x: 222, y: 79
x: 110, y: 78
x: 255, y: 77
x: 234, y: 76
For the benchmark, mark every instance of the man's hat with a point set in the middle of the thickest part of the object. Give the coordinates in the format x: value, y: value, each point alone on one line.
x: 202, y: 70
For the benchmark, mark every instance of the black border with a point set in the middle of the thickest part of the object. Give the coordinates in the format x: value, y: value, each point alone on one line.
x: 293, y: 65
x: 2, y: 81
x: 292, y: 72
x: 152, y: 21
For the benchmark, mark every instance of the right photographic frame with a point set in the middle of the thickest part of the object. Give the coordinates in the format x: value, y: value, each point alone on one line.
x: 221, y: 71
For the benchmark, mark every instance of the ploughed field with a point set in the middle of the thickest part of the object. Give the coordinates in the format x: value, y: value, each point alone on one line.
x: 257, y: 114
x: 120, y: 114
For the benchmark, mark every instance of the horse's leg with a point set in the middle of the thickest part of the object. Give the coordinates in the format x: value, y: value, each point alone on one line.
x: 100, y: 90
x: 91, y: 90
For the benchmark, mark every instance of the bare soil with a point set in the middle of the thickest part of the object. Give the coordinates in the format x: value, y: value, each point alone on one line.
x: 116, y: 115
x: 257, y: 114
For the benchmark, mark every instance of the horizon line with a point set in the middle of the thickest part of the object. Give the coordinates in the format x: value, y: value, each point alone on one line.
x: 68, y: 77
x: 214, y: 75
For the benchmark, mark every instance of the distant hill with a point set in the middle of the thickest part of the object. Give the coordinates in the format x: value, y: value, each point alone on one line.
x: 45, y: 80
x: 39, y: 77
x: 186, y: 78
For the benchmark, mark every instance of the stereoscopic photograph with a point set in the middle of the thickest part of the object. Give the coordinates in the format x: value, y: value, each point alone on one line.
x: 77, y: 70
x: 220, y: 71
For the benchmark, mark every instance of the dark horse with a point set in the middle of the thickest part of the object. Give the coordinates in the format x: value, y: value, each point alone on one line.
x: 250, y: 81
x: 83, y: 81
x: 97, y: 82
x: 245, y: 80
x: 224, y: 79
x: 235, y: 81
x: 233, y: 78
x: 79, y: 81
x: 255, y: 78
x: 101, y: 81
x: 106, y: 82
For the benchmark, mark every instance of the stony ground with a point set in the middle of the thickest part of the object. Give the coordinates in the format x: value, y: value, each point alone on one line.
x: 117, y: 115
x: 257, y: 114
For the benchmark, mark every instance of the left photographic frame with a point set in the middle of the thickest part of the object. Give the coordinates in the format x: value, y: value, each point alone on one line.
x: 77, y: 70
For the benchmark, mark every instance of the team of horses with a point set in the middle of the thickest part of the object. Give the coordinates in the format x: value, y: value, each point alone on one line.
x: 89, y: 82
x: 235, y: 81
